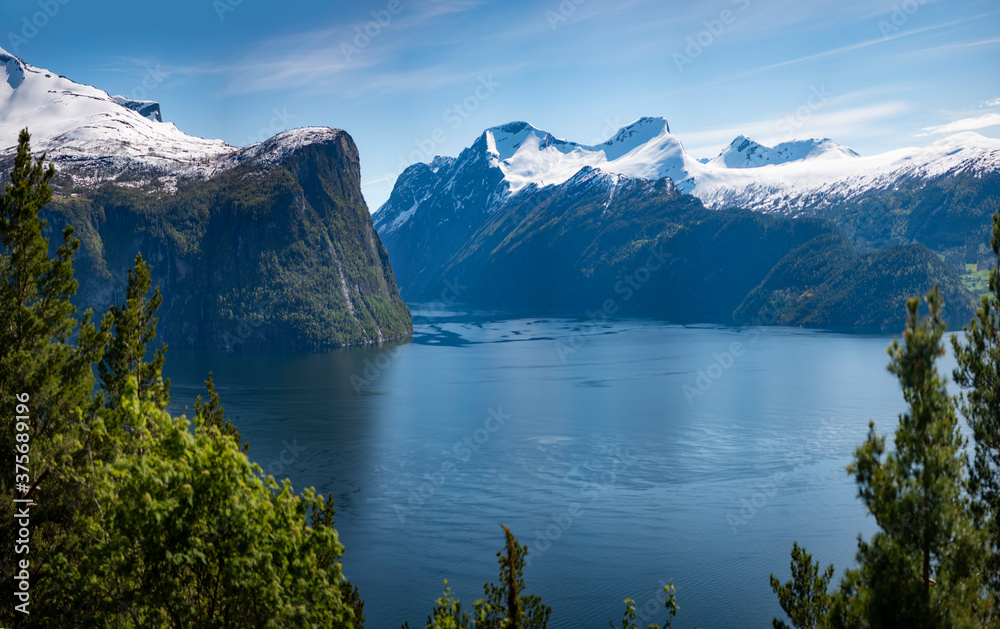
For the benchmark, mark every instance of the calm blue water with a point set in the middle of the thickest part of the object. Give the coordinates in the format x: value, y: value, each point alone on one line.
x: 583, y: 439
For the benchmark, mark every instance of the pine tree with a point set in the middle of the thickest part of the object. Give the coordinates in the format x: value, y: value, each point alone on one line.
x: 806, y: 598
x: 38, y: 362
x: 134, y: 328
x: 922, y: 568
x: 506, y: 607
x: 979, y: 373
x: 213, y: 414
x: 322, y: 518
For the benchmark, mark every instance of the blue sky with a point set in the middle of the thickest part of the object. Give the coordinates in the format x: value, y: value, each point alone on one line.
x: 409, y: 79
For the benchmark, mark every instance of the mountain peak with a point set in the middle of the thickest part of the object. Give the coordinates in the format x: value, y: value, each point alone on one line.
x: 634, y: 135
x: 744, y: 152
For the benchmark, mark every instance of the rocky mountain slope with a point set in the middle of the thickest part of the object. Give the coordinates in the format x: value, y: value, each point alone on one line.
x: 529, y: 221
x: 262, y: 246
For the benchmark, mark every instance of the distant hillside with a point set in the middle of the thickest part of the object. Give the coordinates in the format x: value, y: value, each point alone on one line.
x: 638, y: 247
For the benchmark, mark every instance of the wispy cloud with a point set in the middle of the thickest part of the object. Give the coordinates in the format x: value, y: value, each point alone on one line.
x: 965, y: 124
x: 992, y: 103
x: 853, y: 121
x: 830, y: 53
x: 350, y: 59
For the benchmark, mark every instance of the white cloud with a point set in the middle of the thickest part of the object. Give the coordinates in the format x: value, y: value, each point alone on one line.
x: 821, y: 123
x: 992, y: 103
x: 965, y: 124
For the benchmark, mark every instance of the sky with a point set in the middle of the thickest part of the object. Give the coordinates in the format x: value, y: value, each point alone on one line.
x: 411, y: 79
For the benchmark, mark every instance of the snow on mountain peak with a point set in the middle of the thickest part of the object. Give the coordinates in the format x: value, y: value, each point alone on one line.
x: 92, y: 136
x: 13, y: 69
x: 634, y: 135
x: 746, y: 153
x: 527, y: 155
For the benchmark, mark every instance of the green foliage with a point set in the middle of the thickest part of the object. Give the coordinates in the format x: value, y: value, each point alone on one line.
x: 38, y: 359
x: 923, y: 566
x: 447, y: 613
x: 185, y: 532
x: 212, y: 413
x: 279, y: 257
x: 134, y: 328
x: 628, y: 620
x: 651, y: 251
x: 504, y: 605
x: 322, y: 518
x: 156, y: 525
x: 806, y: 598
x: 979, y: 373
x: 827, y: 283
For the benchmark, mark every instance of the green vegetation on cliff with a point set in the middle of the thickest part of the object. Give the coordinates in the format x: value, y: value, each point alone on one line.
x: 282, y: 256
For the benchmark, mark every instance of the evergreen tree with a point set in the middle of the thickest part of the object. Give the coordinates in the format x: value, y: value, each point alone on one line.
x: 923, y: 568
x: 322, y: 518
x: 39, y: 363
x: 134, y: 328
x: 979, y: 373
x: 213, y: 414
x: 806, y: 598
x: 506, y: 607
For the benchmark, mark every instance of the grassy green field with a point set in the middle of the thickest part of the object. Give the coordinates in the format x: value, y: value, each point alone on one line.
x: 977, y: 282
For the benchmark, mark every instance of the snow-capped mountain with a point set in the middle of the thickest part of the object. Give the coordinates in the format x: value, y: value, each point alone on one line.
x: 789, y: 178
x: 266, y: 245
x: 93, y: 137
x: 745, y: 153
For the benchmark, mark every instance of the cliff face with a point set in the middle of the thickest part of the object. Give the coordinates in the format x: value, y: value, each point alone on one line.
x: 277, y: 251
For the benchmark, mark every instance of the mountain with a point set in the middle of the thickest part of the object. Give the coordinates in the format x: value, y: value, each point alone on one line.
x: 524, y: 220
x: 261, y: 246
x: 942, y: 194
x: 745, y: 153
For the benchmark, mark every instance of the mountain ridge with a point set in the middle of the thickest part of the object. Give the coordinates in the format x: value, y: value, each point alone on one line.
x: 269, y: 245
